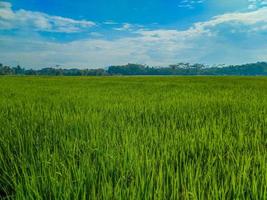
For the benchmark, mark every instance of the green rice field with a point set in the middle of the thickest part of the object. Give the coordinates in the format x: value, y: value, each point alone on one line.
x: 133, y: 138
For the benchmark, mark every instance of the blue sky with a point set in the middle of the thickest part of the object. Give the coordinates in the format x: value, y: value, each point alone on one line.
x: 99, y: 33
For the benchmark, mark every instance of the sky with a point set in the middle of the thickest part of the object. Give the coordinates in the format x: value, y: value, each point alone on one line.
x: 100, y: 33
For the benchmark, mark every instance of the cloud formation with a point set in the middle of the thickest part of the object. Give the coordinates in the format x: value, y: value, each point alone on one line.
x: 37, y: 21
x: 229, y: 38
x: 190, y: 4
x: 254, y: 4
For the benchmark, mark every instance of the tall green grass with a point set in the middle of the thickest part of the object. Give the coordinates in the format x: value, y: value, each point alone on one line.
x: 133, y: 138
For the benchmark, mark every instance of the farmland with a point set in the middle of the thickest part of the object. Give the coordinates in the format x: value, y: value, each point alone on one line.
x: 133, y: 137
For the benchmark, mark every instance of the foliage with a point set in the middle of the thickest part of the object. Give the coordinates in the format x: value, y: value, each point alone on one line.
x: 253, y: 69
x: 135, y: 138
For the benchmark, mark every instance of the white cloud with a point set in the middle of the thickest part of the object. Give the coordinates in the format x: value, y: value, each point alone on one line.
x: 257, y: 20
x: 254, y: 4
x: 37, y: 21
x: 254, y: 18
x: 5, y: 5
x: 110, y: 22
x: 190, y: 4
x: 95, y: 52
x: 125, y: 27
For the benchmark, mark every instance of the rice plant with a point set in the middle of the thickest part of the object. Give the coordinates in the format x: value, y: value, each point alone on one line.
x: 133, y: 138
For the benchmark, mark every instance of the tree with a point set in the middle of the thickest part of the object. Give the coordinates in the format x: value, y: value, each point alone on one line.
x: 18, y: 70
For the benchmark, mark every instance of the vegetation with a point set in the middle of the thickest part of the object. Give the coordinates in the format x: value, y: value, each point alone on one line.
x: 253, y: 69
x: 133, y: 138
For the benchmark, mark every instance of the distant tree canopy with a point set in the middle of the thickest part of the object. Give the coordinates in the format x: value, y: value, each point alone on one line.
x: 253, y: 69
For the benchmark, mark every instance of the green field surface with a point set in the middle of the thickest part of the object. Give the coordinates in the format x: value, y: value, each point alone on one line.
x: 133, y: 138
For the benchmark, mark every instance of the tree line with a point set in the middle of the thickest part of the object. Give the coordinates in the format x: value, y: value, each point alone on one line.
x: 252, y: 69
